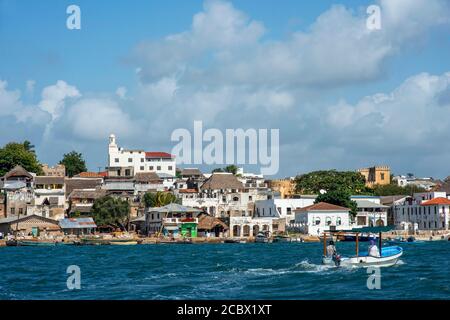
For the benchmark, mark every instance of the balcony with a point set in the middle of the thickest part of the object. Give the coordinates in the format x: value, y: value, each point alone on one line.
x: 180, y: 220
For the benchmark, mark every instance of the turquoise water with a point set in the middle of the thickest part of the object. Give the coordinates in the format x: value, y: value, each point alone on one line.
x: 217, y: 271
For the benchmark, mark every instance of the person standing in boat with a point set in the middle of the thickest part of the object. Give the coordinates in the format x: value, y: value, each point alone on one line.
x: 373, y: 249
x: 332, y: 253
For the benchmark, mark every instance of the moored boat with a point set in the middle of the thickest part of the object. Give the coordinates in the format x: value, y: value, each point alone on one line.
x: 281, y: 238
x: 261, y: 238
x: 123, y: 242
x: 35, y: 243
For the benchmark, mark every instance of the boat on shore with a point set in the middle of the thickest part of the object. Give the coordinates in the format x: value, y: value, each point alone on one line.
x: 123, y: 242
x: 261, y: 238
x: 282, y: 238
x: 35, y: 243
x: 389, y: 256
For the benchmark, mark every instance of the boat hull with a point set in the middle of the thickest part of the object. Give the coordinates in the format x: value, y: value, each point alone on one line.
x: 35, y: 243
x: 123, y: 243
x: 390, y: 257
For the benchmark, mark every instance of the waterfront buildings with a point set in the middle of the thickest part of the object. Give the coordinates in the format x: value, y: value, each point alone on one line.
x: 140, y: 160
x: 29, y: 225
x: 422, y: 211
x: 77, y: 226
x: 322, y: 217
x: 370, y: 211
x: 283, y: 207
x: 378, y: 175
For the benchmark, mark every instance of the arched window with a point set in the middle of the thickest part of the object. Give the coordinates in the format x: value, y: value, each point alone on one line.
x: 317, y: 221
x: 338, y: 221
x: 328, y: 221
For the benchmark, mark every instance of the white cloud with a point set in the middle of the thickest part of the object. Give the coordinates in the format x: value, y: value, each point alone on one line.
x: 54, y: 96
x: 121, y: 92
x: 30, y: 86
x: 95, y: 119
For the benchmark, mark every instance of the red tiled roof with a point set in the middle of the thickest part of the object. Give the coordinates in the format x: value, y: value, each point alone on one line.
x: 322, y: 206
x: 92, y: 174
x: 158, y: 155
x: 188, y: 191
x: 436, y: 201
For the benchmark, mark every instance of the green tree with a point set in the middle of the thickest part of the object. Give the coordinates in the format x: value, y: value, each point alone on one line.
x: 111, y: 211
x: 159, y: 199
x: 14, y: 153
x: 74, y: 163
x: 348, y: 181
x: 217, y: 170
x: 396, y: 190
x: 28, y: 146
x: 230, y: 169
x: 339, y: 198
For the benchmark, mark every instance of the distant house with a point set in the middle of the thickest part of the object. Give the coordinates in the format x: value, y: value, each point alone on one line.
x: 378, y: 175
x: 211, y: 226
x: 147, y: 181
x: 18, y: 186
x: 49, y: 197
x: 320, y: 217
x: 57, y: 171
x: 370, y: 211
x: 82, y: 200
x: 77, y: 226
x: 31, y: 224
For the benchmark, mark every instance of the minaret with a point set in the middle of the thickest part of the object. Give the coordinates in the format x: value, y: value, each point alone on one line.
x: 113, y: 150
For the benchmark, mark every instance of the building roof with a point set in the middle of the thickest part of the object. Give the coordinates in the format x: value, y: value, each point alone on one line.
x: 85, y: 208
x: 77, y: 223
x: 17, y: 171
x: 389, y: 200
x: 322, y: 206
x: 191, y: 172
x: 159, y: 155
x: 187, y: 191
x: 436, y: 201
x: 174, y: 207
x: 15, y: 185
x: 82, y: 183
x: 87, y: 193
x: 208, y: 223
x: 222, y: 181
x: 89, y: 174
x: 444, y: 186
x: 48, y: 180
x: 11, y: 219
x: 368, y: 204
x: 144, y: 177
x: 163, y: 175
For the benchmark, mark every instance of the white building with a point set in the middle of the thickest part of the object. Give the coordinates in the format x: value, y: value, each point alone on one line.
x: 320, y: 217
x: 141, y: 161
x: 423, y: 211
x: 283, y: 208
x: 249, y: 226
x: 410, y: 180
x: 370, y: 211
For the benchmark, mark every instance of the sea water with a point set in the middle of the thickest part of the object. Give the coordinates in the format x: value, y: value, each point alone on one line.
x: 217, y: 271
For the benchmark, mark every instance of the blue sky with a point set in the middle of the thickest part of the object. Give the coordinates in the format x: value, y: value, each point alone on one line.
x: 305, y: 67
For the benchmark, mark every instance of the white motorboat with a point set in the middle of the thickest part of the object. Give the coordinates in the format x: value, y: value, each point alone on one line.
x: 389, y: 256
x: 261, y: 238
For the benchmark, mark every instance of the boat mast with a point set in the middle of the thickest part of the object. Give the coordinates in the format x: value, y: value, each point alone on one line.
x: 357, y: 244
x: 324, y: 244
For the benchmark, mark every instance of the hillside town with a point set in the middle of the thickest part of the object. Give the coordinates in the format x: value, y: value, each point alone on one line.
x: 171, y: 204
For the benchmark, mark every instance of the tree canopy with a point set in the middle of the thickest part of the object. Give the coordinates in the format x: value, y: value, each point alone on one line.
x: 74, y: 163
x: 230, y: 169
x: 111, y: 211
x: 22, y: 154
x: 396, y: 190
x: 348, y: 181
x: 339, y: 198
x: 159, y: 199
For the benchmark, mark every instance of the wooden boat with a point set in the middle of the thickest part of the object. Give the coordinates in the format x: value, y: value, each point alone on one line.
x: 127, y: 242
x: 94, y: 241
x: 281, y: 238
x: 231, y: 241
x: 35, y: 243
x: 389, y: 256
x: 261, y: 238
x: 401, y: 240
x: 11, y: 243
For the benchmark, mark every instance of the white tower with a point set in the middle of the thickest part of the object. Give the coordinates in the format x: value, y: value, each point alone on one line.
x: 113, y: 151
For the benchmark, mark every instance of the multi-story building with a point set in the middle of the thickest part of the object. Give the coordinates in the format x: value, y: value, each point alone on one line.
x: 378, y: 175
x: 140, y: 160
x: 410, y: 180
x: 284, y: 208
x: 57, y: 171
x: 423, y: 211
x: 370, y: 211
x: 286, y: 187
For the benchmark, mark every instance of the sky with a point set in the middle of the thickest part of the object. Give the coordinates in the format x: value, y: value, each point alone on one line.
x: 342, y: 96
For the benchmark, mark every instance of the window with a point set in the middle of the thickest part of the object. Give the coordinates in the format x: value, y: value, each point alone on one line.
x: 317, y: 221
x: 20, y: 210
x: 289, y: 211
x: 130, y: 159
x: 169, y: 167
x: 142, y: 159
x: 158, y: 168
x: 127, y: 172
x: 142, y: 167
x: 150, y: 168
x: 153, y: 216
x: 328, y: 221
x: 116, y: 160
x: 382, y: 176
x: 250, y: 198
x: 338, y: 221
x: 13, y: 211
